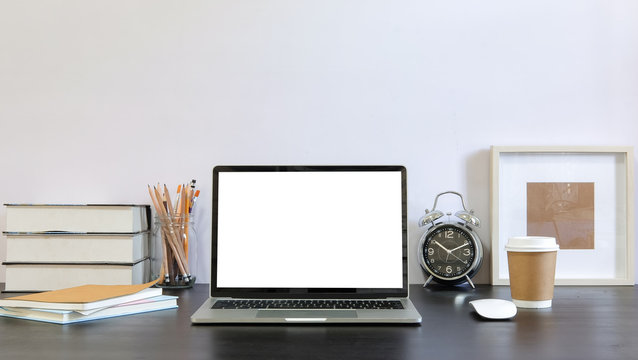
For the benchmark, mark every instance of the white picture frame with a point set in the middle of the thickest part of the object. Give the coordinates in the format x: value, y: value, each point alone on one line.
x: 610, y: 261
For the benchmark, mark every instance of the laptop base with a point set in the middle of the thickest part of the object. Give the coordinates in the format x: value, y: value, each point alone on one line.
x: 207, y: 315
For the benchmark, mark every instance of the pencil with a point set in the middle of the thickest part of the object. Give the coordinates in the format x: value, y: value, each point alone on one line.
x: 169, y: 205
x: 187, y: 206
x: 179, y: 192
x: 164, y: 267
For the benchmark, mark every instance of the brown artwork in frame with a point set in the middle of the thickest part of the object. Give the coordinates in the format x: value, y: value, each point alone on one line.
x: 564, y: 210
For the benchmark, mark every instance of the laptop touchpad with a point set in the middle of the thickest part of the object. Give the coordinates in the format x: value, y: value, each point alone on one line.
x: 307, y: 314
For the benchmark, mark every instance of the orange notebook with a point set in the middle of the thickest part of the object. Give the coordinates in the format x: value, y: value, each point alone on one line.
x: 85, y: 297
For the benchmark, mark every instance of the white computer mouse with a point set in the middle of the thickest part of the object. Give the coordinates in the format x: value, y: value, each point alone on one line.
x: 494, y: 308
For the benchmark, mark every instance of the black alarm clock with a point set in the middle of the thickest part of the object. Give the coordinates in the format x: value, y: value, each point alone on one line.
x: 450, y: 251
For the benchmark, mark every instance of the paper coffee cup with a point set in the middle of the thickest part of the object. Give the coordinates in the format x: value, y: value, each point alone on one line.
x: 532, y: 268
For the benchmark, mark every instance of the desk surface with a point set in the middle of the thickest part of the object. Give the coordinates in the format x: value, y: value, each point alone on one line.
x: 584, y: 323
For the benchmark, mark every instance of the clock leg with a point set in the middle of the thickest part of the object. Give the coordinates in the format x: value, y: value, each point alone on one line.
x: 470, y: 281
x: 428, y: 281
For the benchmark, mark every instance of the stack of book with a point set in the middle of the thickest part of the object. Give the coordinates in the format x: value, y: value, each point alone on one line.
x: 87, y: 302
x: 51, y: 247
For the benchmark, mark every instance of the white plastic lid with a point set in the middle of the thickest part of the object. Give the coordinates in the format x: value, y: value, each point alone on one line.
x: 531, y: 244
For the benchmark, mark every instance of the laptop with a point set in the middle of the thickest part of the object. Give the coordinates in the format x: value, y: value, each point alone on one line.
x: 309, y: 244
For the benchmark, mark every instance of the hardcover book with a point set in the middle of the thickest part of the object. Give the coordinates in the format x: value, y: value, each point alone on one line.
x: 76, y: 248
x: 28, y: 277
x: 86, y: 218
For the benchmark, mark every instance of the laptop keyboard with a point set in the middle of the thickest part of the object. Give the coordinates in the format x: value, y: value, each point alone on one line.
x: 308, y: 304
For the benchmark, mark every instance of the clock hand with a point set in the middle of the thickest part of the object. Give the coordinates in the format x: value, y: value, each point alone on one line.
x: 458, y: 247
x: 442, y: 247
x: 461, y: 260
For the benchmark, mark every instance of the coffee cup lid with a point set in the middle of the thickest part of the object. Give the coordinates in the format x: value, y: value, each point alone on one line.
x: 531, y: 244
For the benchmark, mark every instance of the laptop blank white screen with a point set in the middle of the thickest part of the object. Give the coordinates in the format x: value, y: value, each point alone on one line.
x: 315, y: 229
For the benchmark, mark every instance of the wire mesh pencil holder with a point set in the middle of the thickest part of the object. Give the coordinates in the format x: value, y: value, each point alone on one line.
x: 175, y: 251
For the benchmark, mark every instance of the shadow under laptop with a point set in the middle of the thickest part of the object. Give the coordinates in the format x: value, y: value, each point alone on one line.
x: 278, y: 341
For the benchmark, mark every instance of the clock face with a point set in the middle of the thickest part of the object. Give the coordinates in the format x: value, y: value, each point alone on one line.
x: 449, y: 252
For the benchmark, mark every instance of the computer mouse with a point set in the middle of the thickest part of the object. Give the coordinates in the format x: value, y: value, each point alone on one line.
x: 494, y: 308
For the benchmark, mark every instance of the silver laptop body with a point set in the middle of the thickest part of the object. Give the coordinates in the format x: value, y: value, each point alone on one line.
x: 287, y: 238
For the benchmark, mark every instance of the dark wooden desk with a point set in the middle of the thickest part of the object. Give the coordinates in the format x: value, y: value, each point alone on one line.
x: 584, y: 323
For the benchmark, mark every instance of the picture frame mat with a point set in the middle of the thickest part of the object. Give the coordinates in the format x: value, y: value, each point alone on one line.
x: 610, y: 169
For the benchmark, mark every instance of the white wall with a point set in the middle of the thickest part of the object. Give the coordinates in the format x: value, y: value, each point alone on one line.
x: 100, y: 98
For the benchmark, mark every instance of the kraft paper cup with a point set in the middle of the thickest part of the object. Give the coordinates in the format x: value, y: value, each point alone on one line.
x: 532, y: 268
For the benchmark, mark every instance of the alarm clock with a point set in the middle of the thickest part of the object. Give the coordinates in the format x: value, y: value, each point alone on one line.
x: 450, y: 251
